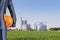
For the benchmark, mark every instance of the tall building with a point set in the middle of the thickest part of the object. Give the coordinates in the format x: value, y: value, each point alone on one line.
x: 29, y: 27
x: 24, y: 25
x: 40, y: 26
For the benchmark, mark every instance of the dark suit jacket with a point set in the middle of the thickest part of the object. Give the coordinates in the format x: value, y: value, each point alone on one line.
x: 6, y: 4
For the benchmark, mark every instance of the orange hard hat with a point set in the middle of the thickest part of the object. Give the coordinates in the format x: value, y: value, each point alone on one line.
x: 8, y: 20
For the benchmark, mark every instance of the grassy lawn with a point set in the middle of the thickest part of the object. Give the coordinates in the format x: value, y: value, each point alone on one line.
x: 33, y: 35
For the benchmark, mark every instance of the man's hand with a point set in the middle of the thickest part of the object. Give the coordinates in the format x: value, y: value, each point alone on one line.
x: 14, y: 23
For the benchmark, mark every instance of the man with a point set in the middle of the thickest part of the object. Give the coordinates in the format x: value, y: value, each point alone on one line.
x: 3, y: 5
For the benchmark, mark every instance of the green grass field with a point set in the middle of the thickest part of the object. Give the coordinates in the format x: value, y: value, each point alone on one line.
x: 33, y: 35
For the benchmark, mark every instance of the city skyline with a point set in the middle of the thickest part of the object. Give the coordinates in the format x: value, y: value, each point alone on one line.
x: 38, y: 11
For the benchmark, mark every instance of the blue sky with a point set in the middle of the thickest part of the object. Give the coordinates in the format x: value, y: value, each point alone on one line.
x: 38, y: 11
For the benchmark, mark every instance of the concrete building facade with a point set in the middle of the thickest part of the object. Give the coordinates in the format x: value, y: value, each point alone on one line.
x: 40, y: 26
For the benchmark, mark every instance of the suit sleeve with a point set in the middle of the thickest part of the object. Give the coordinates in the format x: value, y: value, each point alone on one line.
x: 11, y: 9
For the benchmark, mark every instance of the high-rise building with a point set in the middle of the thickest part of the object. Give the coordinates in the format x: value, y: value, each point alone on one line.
x: 23, y: 24
x: 29, y: 27
x: 40, y: 26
